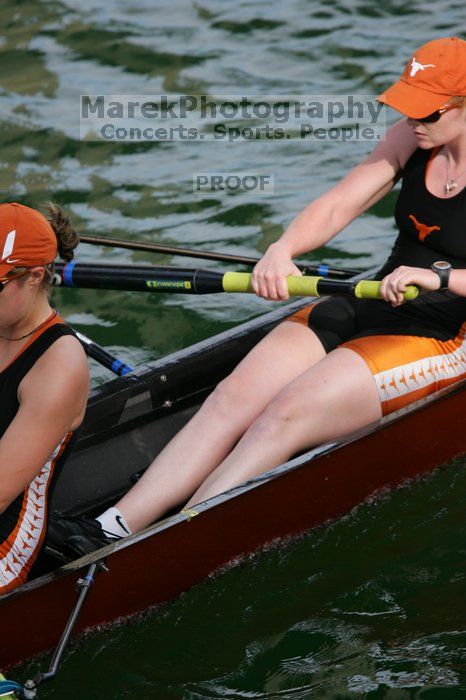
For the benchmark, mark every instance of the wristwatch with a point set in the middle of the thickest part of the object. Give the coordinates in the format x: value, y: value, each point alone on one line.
x: 443, y: 269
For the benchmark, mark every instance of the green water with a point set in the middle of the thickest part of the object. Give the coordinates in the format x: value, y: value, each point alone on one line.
x: 373, y: 607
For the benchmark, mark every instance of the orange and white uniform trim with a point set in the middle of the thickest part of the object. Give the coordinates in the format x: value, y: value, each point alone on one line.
x: 19, y: 551
x: 407, y: 368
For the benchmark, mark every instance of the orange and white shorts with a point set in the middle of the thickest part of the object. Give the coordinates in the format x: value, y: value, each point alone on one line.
x: 406, y: 364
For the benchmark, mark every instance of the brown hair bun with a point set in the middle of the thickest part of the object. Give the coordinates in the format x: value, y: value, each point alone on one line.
x: 67, y: 237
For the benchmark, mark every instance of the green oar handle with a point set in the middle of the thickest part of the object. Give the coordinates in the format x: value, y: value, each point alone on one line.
x: 297, y: 286
x: 370, y: 289
x: 309, y: 286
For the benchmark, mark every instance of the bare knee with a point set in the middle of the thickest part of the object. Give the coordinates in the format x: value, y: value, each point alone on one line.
x: 227, y: 399
x: 286, y: 412
x: 281, y: 413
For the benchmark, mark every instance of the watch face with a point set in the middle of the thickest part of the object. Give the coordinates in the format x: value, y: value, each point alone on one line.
x: 442, y: 265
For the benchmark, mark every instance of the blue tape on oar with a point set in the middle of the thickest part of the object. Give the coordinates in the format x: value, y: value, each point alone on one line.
x: 67, y: 274
x: 11, y: 687
x: 323, y: 270
x: 120, y: 368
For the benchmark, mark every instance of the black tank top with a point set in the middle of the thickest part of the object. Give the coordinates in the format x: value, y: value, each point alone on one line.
x: 23, y: 523
x: 430, y: 228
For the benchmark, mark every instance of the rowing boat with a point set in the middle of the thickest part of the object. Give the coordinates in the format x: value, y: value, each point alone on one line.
x: 131, y: 418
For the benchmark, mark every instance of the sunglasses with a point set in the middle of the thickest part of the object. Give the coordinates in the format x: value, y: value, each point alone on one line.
x: 7, y: 280
x: 435, y: 116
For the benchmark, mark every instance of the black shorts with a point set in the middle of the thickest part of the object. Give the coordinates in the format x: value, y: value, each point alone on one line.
x: 337, y: 319
x: 408, y: 360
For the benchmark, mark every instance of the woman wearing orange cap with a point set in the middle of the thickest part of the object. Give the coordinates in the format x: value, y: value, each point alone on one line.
x: 43, y: 382
x: 339, y: 364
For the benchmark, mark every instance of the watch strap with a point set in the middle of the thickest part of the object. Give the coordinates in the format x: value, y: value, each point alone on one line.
x: 443, y: 273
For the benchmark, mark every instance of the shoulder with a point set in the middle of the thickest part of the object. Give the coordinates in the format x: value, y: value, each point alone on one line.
x: 378, y: 172
x: 63, y: 368
x: 65, y: 352
x: 399, y: 143
x: 66, y: 345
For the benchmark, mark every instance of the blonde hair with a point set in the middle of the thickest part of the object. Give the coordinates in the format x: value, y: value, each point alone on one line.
x: 458, y: 100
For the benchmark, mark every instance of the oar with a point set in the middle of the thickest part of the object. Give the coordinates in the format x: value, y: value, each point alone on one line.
x: 98, y: 353
x: 321, y: 269
x: 185, y: 281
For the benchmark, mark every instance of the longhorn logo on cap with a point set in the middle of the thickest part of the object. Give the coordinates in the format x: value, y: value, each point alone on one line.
x: 416, y: 66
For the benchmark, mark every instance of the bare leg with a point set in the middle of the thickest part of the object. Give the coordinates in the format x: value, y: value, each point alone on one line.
x: 226, y: 414
x: 335, y: 397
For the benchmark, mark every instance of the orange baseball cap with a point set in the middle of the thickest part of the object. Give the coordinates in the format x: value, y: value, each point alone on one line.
x: 435, y: 73
x: 26, y: 238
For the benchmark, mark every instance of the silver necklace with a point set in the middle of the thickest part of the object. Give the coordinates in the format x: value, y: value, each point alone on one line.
x: 451, y: 183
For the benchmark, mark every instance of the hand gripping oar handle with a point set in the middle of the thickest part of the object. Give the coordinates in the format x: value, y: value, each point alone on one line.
x: 315, y: 286
x: 370, y: 289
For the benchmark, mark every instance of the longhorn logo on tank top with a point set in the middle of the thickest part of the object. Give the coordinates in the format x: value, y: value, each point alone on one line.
x: 422, y: 229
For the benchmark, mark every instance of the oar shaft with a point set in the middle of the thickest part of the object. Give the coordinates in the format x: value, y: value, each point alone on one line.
x: 185, y: 281
x: 309, y: 269
x: 104, y: 358
x: 140, y: 279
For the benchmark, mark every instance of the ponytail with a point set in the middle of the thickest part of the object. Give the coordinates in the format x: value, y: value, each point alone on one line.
x: 67, y: 238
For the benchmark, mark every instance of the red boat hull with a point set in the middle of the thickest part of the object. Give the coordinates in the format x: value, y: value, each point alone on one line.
x: 153, y: 568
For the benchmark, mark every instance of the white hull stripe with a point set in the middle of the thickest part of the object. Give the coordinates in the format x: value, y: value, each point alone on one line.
x: 404, y: 379
x: 33, y: 520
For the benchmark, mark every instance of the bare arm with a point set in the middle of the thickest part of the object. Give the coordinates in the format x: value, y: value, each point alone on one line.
x: 326, y: 216
x: 457, y: 283
x: 52, y: 402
